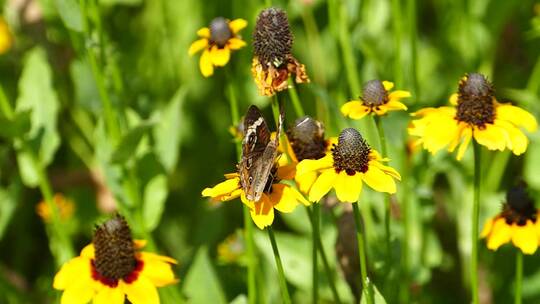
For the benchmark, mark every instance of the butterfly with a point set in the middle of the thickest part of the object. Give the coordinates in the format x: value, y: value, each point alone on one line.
x: 259, y: 152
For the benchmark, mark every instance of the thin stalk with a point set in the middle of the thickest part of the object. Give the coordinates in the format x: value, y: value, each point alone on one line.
x: 349, y: 61
x: 366, y: 286
x: 405, y: 211
x: 281, y: 274
x: 413, y: 36
x: 474, y: 231
x: 534, y: 80
x: 248, y: 225
x: 382, y: 139
x: 397, y: 27
x: 294, y: 98
x: 314, y: 235
x: 519, y: 276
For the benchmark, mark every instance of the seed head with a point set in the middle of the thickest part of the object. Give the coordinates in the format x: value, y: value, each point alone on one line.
x: 272, y: 37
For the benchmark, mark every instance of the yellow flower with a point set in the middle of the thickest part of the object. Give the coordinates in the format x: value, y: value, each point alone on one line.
x: 273, y: 62
x: 475, y: 113
x: 65, y: 208
x: 517, y: 223
x: 376, y: 99
x: 281, y: 197
x: 5, y: 37
x: 110, y: 269
x: 351, y: 163
x: 217, y: 41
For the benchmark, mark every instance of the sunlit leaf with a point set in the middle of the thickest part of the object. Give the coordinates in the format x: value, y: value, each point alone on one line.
x: 70, y: 12
x: 129, y: 142
x: 202, y: 284
x: 155, y: 195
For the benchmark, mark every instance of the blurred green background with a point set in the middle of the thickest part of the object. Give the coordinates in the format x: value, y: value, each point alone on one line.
x: 178, y: 141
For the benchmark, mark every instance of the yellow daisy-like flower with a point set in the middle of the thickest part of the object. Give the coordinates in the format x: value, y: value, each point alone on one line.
x: 351, y: 163
x: 517, y: 222
x: 217, y: 41
x: 376, y: 99
x: 475, y: 113
x: 273, y: 62
x: 5, y: 37
x: 281, y: 197
x: 110, y: 270
x: 65, y: 208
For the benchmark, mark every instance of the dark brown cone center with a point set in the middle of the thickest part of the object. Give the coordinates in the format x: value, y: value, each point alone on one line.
x: 272, y: 37
x: 220, y: 32
x: 475, y: 101
x: 374, y: 94
x: 307, y: 138
x: 519, y: 207
x: 114, y: 250
x: 351, y: 153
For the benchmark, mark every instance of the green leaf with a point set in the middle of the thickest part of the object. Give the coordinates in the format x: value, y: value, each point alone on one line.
x: 120, y: 2
x: 129, y: 142
x: 377, y: 296
x: 167, y: 132
x: 8, y: 204
x: 70, y: 12
x: 17, y: 127
x: 36, y: 94
x: 155, y: 195
x: 202, y: 284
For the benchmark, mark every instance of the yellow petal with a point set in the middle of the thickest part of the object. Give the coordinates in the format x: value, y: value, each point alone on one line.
x: 397, y: 95
x: 204, y: 32
x: 309, y: 165
x: 236, y: 43
x: 386, y: 169
x: 225, y: 190
x: 305, y: 181
x: 70, y: 272
x: 263, y: 212
x: 220, y: 57
x: 322, y: 185
x: 500, y: 234
x: 394, y: 105
x: 109, y: 295
x: 492, y: 137
x: 379, y: 181
x: 525, y: 237
x: 517, y: 141
x: 454, y: 99
x: 466, y: 135
x: 348, y: 188
x: 355, y: 109
x: 517, y: 116
x: 139, y: 244
x: 197, y: 46
x: 159, y: 272
x: 205, y: 64
x: 437, y: 128
x: 388, y: 85
x: 286, y: 198
x: 80, y: 291
x: 88, y: 251
x: 380, y: 110
x: 140, y: 291
x: 286, y: 171
x: 487, y: 228
x: 237, y: 25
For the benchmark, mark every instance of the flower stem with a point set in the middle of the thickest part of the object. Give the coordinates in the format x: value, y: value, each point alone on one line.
x: 248, y: 225
x: 314, y: 236
x: 474, y: 230
x: 366, y: 288
x: 519, y: 276
x: 397, y: 26
x: 413, y: 37
x: 382, y: 139
x: 281, y: 274
x: 349, y: 60
x: 295, y: 100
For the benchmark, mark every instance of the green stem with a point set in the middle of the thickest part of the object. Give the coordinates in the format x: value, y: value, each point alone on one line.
x: 281, y: 274
x: 397, y: 26
x: 295, y: 100
x: 382, y: 139
x: 349, y: 60
x: 534, y: 80
x: 248, y: 225
x: 474, y: 230
x: 413, y: 36
x: 366, y: 286
x: 405, y: 203
x: 519, y: 276
x: 5, y: 106
x: 314, y: 235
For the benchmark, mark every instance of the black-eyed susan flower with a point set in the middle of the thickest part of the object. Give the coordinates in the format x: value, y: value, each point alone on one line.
x: 5, y: 37
x: 65, y: 207
x: 276, y: 195
x: 475, y: 113
x: 111, y: 269
x: 217, y: 41
x: 376, y: 98
x: 517, y: 222
x: 273, y: 61
x: 351, y: 163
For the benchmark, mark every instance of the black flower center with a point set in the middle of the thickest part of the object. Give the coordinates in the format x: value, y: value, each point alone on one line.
x: 351, y: 153
x: 114, y: 251
x: 272, y: 38
x: 307, y: 138
x: 519, y: 207
x: 220, y: 32
x: 374, y: 94
x: 475, y: 100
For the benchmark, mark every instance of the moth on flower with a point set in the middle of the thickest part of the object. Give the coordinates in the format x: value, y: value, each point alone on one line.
x: 258, y: 179
x: 474, y: 113
x: 217, y: 41
x: 273, y: 61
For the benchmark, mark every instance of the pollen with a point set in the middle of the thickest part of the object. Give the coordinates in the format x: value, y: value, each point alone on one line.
x: 519, y: 207
x: 272, y: 37
x: 220, y: 32
x: 114, y: 250
x: 351, y: 153
x: 307, y: 138
x: 475, y: 100
x: 374, y: 94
